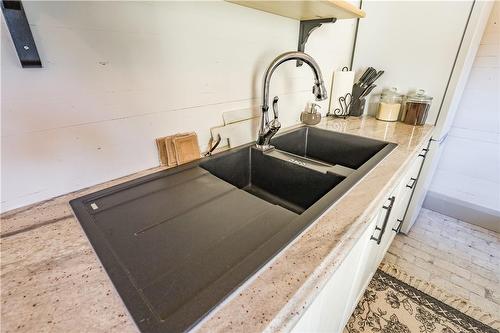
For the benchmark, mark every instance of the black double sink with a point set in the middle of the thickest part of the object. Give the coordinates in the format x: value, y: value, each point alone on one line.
x: 274, y: 180
x: 306, y: 164
x: 178, y: 242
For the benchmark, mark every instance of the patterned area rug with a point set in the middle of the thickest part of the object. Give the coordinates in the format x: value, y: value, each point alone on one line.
x: 392, y: 306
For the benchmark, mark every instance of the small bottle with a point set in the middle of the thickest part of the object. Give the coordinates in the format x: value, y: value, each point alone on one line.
x: 390, y: 104
x: 311, y: 116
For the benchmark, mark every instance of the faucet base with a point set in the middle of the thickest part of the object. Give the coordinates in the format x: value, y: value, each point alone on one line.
x: 263, y: 147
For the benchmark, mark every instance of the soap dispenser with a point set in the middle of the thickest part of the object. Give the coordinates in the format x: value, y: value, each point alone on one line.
x: 311, y: 116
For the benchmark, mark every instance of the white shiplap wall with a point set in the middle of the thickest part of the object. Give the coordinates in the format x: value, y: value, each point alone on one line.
x: 118, y: 74
x: 469, y: 168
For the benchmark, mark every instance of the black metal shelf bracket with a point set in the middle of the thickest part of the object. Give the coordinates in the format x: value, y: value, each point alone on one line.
x: 305, y: 30
x: 20, y: 31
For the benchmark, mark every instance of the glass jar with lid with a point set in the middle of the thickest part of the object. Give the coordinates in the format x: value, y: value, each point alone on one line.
x: 416, y: 108
x: 389, y: 106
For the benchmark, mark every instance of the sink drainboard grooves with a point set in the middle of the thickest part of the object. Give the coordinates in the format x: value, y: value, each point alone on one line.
x: 137, y: 233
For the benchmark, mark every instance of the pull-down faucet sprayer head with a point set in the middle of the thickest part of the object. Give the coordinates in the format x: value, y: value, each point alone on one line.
x: 319, y: 90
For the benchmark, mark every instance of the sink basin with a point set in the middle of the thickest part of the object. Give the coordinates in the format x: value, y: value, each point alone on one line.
x: 330, y: 147
x: 305, y: 164
x: 274, y: 180
x: 176, y: 243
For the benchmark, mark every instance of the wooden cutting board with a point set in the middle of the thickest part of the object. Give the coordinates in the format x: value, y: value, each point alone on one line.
x: 170, y: 150
x: 186, y: 148
x: 178, y: 149
x: 162, y: 150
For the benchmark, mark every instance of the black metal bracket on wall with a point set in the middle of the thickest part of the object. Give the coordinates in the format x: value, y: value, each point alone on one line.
x: 20, y: 31
x: 305, y: 29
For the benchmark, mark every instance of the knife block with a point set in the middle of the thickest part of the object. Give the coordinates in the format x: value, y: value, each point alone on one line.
x: 357, y: 107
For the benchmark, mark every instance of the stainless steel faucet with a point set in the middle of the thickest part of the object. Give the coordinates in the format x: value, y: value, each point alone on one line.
x: 269, y: 128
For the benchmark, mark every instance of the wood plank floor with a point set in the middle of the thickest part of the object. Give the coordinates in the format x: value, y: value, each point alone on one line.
x: 460, y: 258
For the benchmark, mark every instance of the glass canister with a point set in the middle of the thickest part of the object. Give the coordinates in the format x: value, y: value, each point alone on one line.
x: 416, y: 108
x: 389, y: 106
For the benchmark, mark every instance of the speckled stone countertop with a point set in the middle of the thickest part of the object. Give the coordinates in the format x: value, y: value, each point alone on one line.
x: 51, y: 280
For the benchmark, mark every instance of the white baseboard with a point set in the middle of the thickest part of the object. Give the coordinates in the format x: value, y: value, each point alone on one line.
x: 462, y: 210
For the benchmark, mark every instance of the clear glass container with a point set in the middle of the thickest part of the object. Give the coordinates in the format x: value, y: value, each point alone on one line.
x: 312, y: 115
x: 416, y: 108
x: 389, y: 106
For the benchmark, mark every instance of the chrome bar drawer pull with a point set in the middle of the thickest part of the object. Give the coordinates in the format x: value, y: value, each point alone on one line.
x: 398, y: 228
x: 411, y: 183
x: 386, y: 219
x: 423, y: 153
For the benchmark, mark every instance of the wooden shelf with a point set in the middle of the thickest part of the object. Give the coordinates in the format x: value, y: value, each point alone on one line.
x: 306, y: 9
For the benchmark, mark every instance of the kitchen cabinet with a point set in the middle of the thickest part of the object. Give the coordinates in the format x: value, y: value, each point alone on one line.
x: 332, y: 308
x: 465, y: 57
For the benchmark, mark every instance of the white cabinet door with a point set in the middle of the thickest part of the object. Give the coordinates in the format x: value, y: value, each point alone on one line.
x: 327, y: 312
x: 361, y: 278
x: 402, y: 195
x: 415, y: 189
x: 375, y: 249
x: 408, y: 185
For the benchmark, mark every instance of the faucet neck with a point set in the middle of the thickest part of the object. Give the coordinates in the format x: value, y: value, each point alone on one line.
x: 319, y: 89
